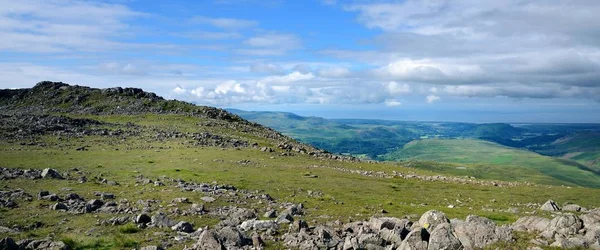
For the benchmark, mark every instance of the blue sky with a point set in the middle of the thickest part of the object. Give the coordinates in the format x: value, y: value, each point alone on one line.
x: 461, y: 60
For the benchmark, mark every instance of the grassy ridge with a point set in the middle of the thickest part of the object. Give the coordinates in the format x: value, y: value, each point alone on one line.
x: 489, y: 160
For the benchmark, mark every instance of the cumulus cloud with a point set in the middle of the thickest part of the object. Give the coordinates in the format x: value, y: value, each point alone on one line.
x: 432, y: 98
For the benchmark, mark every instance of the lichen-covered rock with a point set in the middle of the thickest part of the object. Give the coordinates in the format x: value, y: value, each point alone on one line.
x: 443, y: 238
x: 415, y: 240
x: 531, y: 224
x: 563, y: 225
x: 478, y: 232
x: 432, y: 218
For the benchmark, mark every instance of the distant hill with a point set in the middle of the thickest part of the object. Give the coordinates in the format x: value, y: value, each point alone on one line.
x: 490, y: 160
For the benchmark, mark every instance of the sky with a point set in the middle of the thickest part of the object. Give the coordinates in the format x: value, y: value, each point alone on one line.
x: 434, y: 60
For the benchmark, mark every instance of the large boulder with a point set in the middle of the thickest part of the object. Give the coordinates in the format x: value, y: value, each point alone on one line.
x: 531, y: 224
x: 208, y: 241
x: 386, y: 222
x: 231, y: 236
x: 478, y: 232
x: 432, y: 218
x: 550, y: 206
x: 415, y: 240
x: 443, y: 238
x: 51, y: 174
x: 563, y: 225
x: 394, y: 236
x: 591, y: 219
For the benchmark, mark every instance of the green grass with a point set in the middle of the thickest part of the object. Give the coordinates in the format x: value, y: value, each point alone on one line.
x: 488, y: 160
x: 346, y: 196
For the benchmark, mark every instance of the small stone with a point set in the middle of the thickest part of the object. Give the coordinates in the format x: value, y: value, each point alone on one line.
x: 60, y: 206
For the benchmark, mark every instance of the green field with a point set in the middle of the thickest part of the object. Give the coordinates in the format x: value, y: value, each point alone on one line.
x: 484, y: 159
x: 345, y: 196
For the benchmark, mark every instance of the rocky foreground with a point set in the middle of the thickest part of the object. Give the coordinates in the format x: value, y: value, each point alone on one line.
x: 283, y: 223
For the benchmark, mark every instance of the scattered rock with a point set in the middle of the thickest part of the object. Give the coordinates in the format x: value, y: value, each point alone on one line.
x: 142, y: 219
x: 60, y: 206
x: 208, y: 199
x: 183, y: 226
x: 551, y: 206
x: 51, y: 173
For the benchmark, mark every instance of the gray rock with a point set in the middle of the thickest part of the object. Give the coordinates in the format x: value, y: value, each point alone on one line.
x: 387, y: 222
x: 107, y: 196
x: 183, y: 226
x: 161, y: 220
x: 573, y: 208
x: 208, y: 241
x: 393, y: 237
x: 51, y: 173
x: 142, y: 219
x: 60, y: 206
x: 443, y: 238
x: 297, y: 225
x: 591, y: 219
x: 72, y: 196
x: 550, y: 205
x: 257, y: 241
x: 432, y: 218
x: 207, y: 199
x: 270, y: 214
x: 284, y: 218
x: 531, y: 224
x: 152, y: 248
x: 8, y: 244
x: 231, y: 236
x: 181, y: 200
x: 47, y: 244
x: 259, y: 225
x: 565, y: 225
x: 478, y: 232
x: 415, y: 240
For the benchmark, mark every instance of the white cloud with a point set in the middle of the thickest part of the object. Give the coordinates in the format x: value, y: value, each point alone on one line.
x: 334, y: 72
x: 432, y: 98
x: 266, y: 68
x: 395, y: 88
x: 211, y: 35
x: 392, y: 103
x: 225, y: 23
x: 291, y: 77
x: 63, y: 26
x: 271, y: 45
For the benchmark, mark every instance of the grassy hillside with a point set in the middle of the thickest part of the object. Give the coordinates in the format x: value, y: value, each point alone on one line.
x: 146, y: 155
x: 484, y: 159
